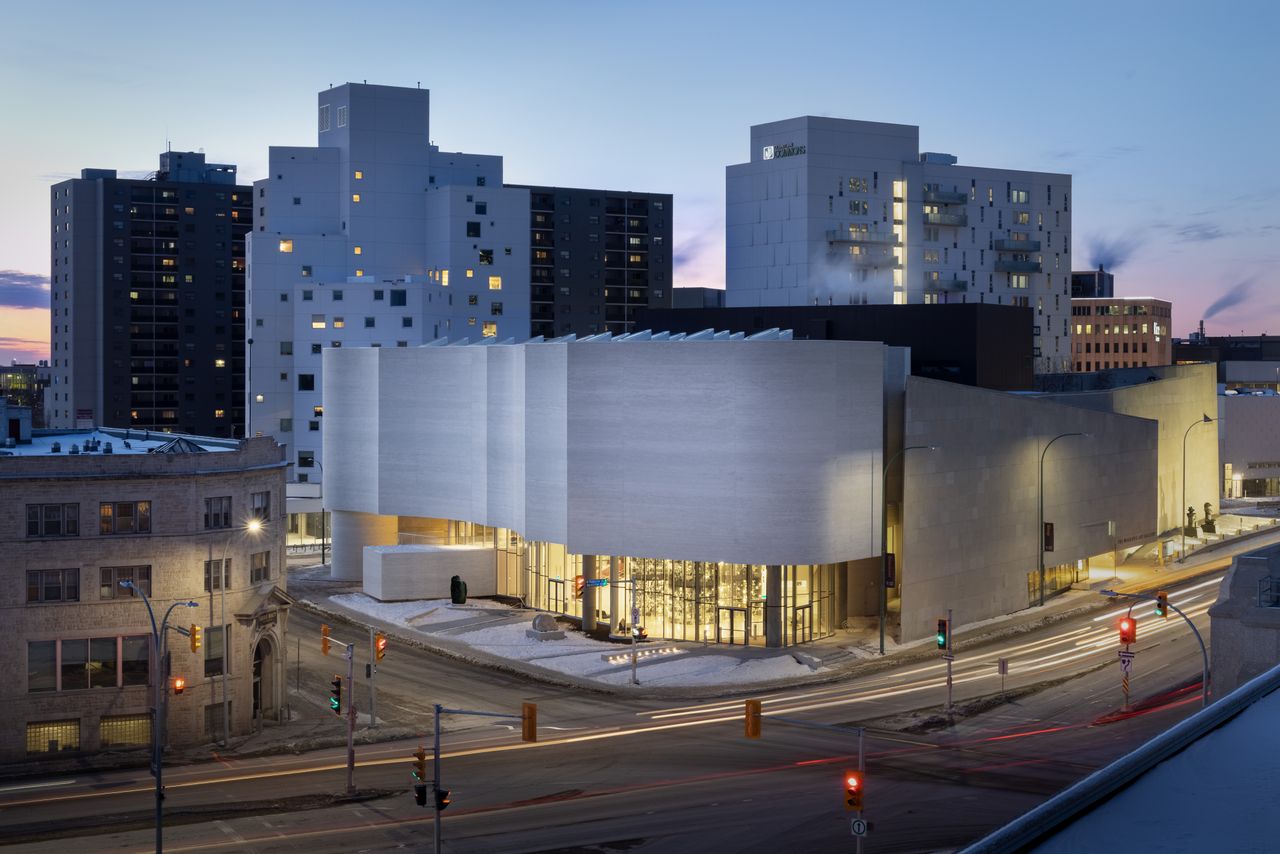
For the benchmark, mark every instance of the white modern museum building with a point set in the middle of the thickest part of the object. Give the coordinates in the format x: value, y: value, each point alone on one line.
x: 730, y: 487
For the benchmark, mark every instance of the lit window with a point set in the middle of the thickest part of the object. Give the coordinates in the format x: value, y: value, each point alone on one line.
x: 339, y: 323
x: 219, y: 413
x: 357, y: 251
x: 355, y: 197
x: 490, y: 329
x: 133, y: 294
x: 286, y: 245
x: 444, y: 278
x: 219, y: 363
x: 470, y: 273
x: 495, y: 283
x: 359, y: 175
x: 318, y: 322
x: 258, y: 398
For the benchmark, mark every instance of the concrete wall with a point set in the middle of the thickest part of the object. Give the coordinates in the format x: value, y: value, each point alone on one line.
x: 1177, y: 398
x: 1248, y: 443
x: 1246, y: 635
x: 394, y: 573
x: 971, y: 506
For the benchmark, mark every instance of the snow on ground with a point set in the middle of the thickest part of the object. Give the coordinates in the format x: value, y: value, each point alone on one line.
x: 575, y: 654
x: 415, y: 613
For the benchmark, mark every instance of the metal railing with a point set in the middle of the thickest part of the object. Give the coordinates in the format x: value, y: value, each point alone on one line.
x: 1006, y: 245
x: 1007, y: 265
x: 945, y: 197
x: 838, y: 236
x: 957, y: 219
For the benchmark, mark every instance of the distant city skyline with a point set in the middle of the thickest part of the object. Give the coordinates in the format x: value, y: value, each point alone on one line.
x: 1159, y: 111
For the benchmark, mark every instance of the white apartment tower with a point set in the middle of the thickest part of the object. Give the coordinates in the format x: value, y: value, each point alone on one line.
x: 841, y: 211
x: 374, y: 237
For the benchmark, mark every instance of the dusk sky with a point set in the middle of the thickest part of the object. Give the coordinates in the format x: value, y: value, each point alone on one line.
x: 1162, y: 111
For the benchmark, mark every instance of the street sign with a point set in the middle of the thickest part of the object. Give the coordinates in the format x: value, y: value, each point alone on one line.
x: 598, y: 582
x: 1048, y: 536
x: 890, y: 571
x: 946, y: 656
x: 858, y: 826
x: 635, y: 616
x: 1126, y: 664
x: 1126, y: 655
x: 1004, y: 666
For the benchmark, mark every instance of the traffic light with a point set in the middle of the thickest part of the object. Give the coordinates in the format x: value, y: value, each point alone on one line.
x: 752, y: 719
x: 528, y: 721
x: 324, y: 639
x: 420, y: 794
x: 853, y: 791
x: 1128, y: 630
x: 1162, y: 604
x: 442, y: 799
x: 944, y: 632
x: 420, y: 765
x: 194, y: 636
x: 179, y: 684
x: 335, y: 695
x: 379, y: 646
x: 579, y: 582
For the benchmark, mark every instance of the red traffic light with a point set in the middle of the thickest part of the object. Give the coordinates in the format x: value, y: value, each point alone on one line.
x: 1128, y: 630
x: 179, y: 684
x: 853, y: 790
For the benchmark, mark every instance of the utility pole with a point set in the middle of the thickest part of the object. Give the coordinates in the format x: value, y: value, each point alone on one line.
x: 373, y: 671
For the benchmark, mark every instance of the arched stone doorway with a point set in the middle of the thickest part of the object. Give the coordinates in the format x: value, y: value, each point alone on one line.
x: 265, y: 703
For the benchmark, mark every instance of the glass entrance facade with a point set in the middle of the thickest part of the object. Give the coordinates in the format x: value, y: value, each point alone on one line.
x: 680, y: 599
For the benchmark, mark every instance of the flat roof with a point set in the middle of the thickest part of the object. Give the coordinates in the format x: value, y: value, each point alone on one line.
x: 123, y: 442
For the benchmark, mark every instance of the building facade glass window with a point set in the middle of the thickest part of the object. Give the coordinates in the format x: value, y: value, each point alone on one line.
x: 124, y: 517
x: 111, y: 576
x: 53, y: 585
x: 53, y: 520
x: 217, y: 512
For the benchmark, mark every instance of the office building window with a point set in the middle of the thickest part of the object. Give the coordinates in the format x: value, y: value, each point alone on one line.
x: 53, y: 520
x: 216, y: 574
x: 260, y: 506
x: 306, y: 382
x: 486, y: 257
x: 217, y: 512
x: 53, y: 585
x: 398, y: 297
x: 126, y: 730
x: 111, y: 576
x: 259, y: 567
x: 53, y: 736
x: 473, y: 229
x: 286, y: 245
x: 214, y: 655
x: 124, y: 517
x: 495, y: 283
x: 489, y: 329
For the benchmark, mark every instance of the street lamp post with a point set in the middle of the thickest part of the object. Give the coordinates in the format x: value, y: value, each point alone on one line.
x: 884, y: 534
x: 1204, y: 419
x: 1040, y: 535
x: 251, y: 527
x: 161, y: 701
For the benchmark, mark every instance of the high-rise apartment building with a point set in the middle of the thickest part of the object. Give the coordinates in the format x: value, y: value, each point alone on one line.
x: 839, y: 211
x: 596, y: 257
x: 373, y: 238
x: 147, y: 299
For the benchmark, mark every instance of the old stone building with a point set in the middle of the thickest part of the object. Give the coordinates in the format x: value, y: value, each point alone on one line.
x: 184, y: 520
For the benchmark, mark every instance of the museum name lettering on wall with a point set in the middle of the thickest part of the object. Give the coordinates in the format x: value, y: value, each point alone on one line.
x: 787, y: 149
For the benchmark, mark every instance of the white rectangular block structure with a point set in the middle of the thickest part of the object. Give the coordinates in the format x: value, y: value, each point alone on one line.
x: 398, y: 573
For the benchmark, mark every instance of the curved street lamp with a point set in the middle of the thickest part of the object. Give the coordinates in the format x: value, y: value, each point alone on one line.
x: 1204, y: 419
x: 161, y: 700
x: 884, y: 534
x: 1041, y: 484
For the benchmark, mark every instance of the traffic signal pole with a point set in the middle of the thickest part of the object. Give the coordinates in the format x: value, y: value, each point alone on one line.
x: 1204, y: 653
x: 439, y: 795
x: 373, y: 671
x: 351, y: 719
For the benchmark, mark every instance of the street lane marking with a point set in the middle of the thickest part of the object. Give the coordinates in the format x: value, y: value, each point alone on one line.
x: 48, y: 785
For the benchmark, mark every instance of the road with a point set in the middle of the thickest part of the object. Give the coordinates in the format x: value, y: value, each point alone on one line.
x: 612, y: 773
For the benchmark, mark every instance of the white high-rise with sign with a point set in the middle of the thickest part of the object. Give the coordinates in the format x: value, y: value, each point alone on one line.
x: 840, y: 211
